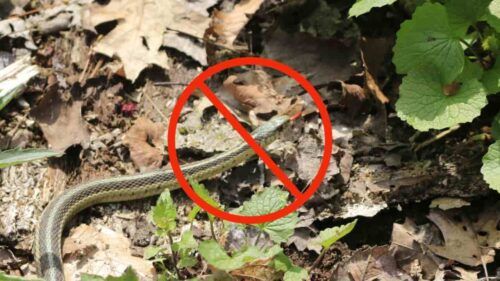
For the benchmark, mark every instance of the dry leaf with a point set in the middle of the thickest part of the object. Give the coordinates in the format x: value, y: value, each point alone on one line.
x: 407, y: 248
x: 137, y: 38
x: 322, y: 61
x: 370, y: 265
x: 102, y: 252
x: 487, y: 227
x: 460, y: 244
x: 447, y: 203
x: 145, y: 140
x: 255, y: 93
x: 226, y: 25
x: 61, y: 121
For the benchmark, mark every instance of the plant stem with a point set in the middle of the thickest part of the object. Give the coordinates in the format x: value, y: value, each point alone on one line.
x: 174, y: 255
x: 318, y: 259
x: 257, y: 240
x: 212, y: 229
x: 469, y: 46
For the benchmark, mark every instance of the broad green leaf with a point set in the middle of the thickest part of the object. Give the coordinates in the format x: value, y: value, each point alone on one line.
x: 426, y: 102
x: 18, y: 156
x: 491, y: 79
x: 364, y: 6
x: 186, y: 261
x: 213, y: 253
x: 491, y: 166
x: 493, y: 17
x: 495, y: 127
x: 464, y: 13
x: 271, y: 200
x: 327, y: 237
x: 187, y: 242
x: 5, y: 277
x: 128, y: 275
x: 152, y: 251
x: 296, y: 273
x: 472, y: 70
x: 165, y: 212
x: 202, y: 191
x: 428, y: 39
x: 292, y: 272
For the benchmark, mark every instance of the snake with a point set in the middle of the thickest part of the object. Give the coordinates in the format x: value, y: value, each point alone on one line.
x: 64, y: 207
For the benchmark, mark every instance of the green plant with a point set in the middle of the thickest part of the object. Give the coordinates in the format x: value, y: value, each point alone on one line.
x: 329, y: 236
x: 268, y: 255
x: 447, y: 52
x: 18, y: 156
x: 128, y: 275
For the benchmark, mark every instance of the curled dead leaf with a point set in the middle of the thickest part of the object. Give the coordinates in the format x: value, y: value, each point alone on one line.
x: 61, y: 121
x: 145, y: 141
x: 256, y: 94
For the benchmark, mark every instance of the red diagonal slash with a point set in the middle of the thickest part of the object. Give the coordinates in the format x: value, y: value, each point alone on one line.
x: 249, y: 139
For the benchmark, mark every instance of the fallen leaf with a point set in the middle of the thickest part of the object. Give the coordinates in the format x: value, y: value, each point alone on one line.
x: 370, y: 265
x: 145, y: 141
x: 466, y: 275
x: 101, y: 251
x: 227, y: 23
x: 61, y: 121
x: 256, y: 94
x: 137, y: 38
x: 447, y: 203
x: 322, y: 61
x: 460, y: 242
x: 407, y: 247
x: 486, y: 227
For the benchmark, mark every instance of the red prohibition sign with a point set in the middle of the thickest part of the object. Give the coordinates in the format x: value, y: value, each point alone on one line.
x: 199, y: 83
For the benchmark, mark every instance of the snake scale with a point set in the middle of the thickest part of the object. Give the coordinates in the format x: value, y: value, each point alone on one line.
x: 123, y: 188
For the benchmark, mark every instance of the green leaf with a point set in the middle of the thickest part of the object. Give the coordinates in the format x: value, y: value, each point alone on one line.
x: 213, y: 253
x: 296, y: 273
x: 327, y: 237
x: 271, y: 200
x: 18, y: 156
x: 364, y: 6
x: 472, y: 70
x: 292, y: 272
x: 165, y: 212
x: 493, y: 17
x: 5, y: 277
x: 464, y: 13
x: 202, y: 191
x: 495, y: 127
x: 491, y: 166
x: 128, y: 275
x: 152, y: 251
x: 491, y: 79
x: 426, y: 102
x: 187, y: 242
x: 428, y: 39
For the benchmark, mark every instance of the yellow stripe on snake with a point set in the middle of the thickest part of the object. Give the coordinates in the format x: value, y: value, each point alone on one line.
x: 62, y: 208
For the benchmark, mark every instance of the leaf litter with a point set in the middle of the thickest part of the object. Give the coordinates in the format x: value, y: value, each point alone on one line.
x: 117, y: 126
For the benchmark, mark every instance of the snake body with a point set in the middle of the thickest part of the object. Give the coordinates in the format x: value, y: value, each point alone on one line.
x: 123, y: 188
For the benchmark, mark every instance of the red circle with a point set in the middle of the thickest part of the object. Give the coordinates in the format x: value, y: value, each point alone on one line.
x: 199, y: 80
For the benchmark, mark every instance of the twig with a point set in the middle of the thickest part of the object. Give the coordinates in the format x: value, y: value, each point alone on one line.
x: 318, y: 259
x: 150, y: 100
x: 437, y: 137
x: 168, y: 83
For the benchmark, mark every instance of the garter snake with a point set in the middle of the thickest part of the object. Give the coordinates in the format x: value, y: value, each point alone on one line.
x: 62, y: 208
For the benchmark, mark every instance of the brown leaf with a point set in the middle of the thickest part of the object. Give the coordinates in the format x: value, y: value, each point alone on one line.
x: 137, y: 38
x: 408, y: 250
x: 145, y: 140
x: 370, y: 265
x: 322, y: 61
x: 61, y: 121
x: 103, y: 252
x: 226, y: 24
x: 255, y: 93
x: 487, y: 227
x: 460, y: 244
